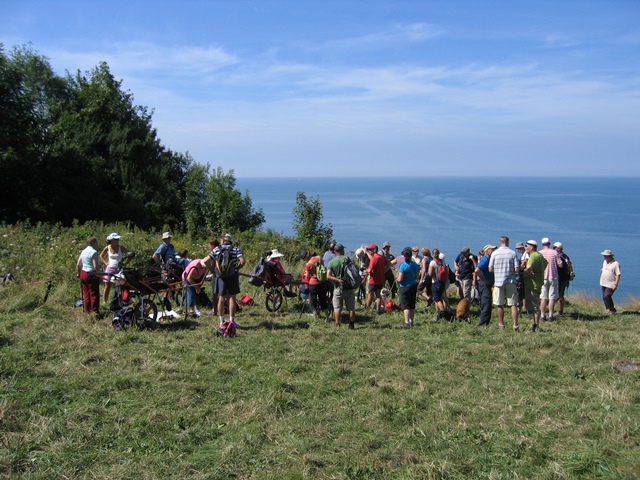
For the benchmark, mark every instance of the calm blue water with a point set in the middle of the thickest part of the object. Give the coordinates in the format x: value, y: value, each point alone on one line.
x: 586, y: 214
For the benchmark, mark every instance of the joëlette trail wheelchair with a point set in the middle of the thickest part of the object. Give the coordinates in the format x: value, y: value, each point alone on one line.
x: 277, y: 286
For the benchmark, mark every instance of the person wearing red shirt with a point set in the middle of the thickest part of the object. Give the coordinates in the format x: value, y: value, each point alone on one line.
x: 376, y: 273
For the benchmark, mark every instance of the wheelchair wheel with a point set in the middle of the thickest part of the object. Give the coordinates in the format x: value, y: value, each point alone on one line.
x: 179, y: 297
x: 273, y: 302
x: 145, y: 312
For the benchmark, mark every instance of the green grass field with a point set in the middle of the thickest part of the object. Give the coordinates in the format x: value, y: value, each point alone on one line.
x: 295, y: 397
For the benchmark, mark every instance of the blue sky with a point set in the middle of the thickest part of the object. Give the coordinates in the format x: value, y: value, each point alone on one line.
x: 302, y: 88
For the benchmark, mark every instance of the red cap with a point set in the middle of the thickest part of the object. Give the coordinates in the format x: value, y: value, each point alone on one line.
x: 373, y: 247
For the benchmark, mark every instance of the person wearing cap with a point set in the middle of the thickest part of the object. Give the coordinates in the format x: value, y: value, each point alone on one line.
x: 504, y: 265
x: 388, y: 274
x: 609, y: 280
x: 533, y: 281
x: 192, y: 279
x: 376, y: 275
x: 407, y: 278
x: 485, y: 280
x: 165, y: 251
x: 551, y: 288
x: 465, y: 266
x: 112, y: 256
x: 438, y: 287
x: 340, y: 295
x: 565, y: 275
x: 226, y: 288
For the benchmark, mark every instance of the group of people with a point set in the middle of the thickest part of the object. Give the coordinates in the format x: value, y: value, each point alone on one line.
x: 525, y: 279
x: 223, y: 262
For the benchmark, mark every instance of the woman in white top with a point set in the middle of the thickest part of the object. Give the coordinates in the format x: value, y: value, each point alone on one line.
x: 87, y: 269
x: 112, y: 256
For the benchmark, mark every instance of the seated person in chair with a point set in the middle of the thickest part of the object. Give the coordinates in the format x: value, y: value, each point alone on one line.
x: 278, y: 275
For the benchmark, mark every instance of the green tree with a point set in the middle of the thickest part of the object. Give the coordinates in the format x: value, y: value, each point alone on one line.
x: 307, y: 221
x: 212, y: 204
x: 106, y: 161
x: 28, y: 88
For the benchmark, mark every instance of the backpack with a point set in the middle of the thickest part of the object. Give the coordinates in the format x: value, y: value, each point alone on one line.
x: 452, y: 275
x: 320, y: 271
x: 227, y: 329
x: 225, y: 263
x: 257, y: 275
x: 350, y: 275
x: 122, y: 319
x: 441, y: 274
x: 565, y: 272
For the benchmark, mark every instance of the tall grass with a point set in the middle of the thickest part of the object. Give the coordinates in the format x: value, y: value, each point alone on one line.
x: 295, y: 397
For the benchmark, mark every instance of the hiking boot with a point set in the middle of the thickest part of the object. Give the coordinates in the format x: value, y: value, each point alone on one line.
x: 534, y: 327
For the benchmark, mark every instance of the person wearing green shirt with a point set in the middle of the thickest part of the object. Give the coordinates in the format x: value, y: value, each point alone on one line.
x: 533, y: 281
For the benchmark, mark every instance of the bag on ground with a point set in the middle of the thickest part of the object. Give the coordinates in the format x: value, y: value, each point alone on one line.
x: 227, y: 329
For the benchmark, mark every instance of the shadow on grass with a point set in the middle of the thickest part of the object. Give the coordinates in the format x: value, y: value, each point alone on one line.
x: 175, y: 326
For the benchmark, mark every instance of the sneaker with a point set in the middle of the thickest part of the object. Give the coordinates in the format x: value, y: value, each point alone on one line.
x: 552, y: 319
x: 501, y: 326
x: 534, y: 327
x: 236, y: 323
x: 544, y: 319
x: 407, y: 325
x: 516, y: 328
x: 197, y: 314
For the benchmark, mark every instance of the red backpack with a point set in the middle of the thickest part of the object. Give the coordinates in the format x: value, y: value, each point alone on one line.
x: 441, y: 274
x: 227, y: 329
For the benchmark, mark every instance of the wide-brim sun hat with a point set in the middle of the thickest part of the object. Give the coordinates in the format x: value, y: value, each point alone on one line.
x: 607, y: 253
x: 166, y: 235
x: 275, y: 254
x: 489, y: 246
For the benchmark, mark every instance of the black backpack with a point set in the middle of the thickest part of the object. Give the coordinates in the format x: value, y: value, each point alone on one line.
x: 225, y: 263
x: 350, y: 275
x: 257, y: 275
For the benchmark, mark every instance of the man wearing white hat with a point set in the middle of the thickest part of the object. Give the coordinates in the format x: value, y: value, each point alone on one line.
x: 165, y: 251
x: 609, y: 280
x: 551, y: 287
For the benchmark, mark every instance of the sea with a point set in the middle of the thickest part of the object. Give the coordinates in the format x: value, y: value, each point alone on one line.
x: 587, y: 215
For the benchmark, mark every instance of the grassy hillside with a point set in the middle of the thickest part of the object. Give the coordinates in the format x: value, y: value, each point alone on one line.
x: 295, y: 397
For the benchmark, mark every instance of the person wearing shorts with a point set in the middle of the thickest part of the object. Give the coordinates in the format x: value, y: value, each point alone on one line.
x: 551, y: 288
x: 504, y: 265
x: 226, y: 288
x: 408, y: 281
x: 341, y: 295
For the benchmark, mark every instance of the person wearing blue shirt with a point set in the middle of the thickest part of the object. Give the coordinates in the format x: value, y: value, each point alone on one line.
x: 165, y: 251
x: 407, y: 278
x: 485, y: 280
